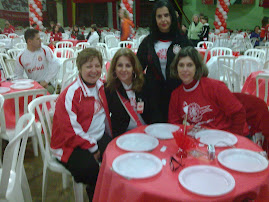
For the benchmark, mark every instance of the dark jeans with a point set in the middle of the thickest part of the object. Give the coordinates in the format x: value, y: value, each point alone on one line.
x: 84, y: 167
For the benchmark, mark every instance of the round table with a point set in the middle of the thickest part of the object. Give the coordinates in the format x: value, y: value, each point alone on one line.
x: 165, y: 185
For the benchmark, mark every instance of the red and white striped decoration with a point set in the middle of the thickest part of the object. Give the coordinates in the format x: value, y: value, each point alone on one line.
x: 35, y: 13
x: 221, y: 16
x: 128, y: 6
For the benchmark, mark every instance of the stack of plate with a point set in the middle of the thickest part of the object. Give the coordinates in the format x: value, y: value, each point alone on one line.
x: 4, y: 90
x: 22, y: 84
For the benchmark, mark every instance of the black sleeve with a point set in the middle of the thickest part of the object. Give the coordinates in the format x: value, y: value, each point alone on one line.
x: 142, y: 53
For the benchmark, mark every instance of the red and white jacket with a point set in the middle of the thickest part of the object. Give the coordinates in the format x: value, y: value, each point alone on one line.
x: 80, y: 120
x: 40, y: 65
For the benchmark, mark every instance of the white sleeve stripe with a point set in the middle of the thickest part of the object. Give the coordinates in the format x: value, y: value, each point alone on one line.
x: 73, y: 117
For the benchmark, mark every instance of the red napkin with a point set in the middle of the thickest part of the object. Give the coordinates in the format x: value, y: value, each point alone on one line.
x: 183, y: 141
x: 204, y: 46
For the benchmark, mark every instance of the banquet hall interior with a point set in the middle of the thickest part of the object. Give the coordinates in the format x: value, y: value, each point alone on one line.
x: 235, y: 51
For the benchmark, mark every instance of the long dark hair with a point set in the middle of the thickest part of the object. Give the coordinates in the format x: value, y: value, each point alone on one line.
x: 154, y: 30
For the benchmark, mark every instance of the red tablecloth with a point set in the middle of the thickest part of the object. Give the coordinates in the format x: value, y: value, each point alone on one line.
x: 9, y: 104
x: 250, y: 85
x: 165, y: 185
x: 202, y: 51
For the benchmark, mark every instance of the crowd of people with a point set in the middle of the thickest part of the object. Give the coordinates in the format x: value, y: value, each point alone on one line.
x: 154, y: 86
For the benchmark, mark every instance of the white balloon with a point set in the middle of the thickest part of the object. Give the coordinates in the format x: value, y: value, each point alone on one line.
x: 217, y: 31
x: 122, y: 5
x: 31, y: 1
x: 218, y: 6
x: 35, y: 19
x: 228, y: 3
x: 131, y: 15
x: 217, y: 20
x: 221, y: 28
x: 39, y: 22
x: 32, y: 15
x: 131, y: 3
x: 225, y: 17
x: 41, y: 26
x: 34, y: 6
x: 221, y: 10
x: 219, y: 23
x: 224, y: 13
x: 38, y: 10
x: 39, y: 13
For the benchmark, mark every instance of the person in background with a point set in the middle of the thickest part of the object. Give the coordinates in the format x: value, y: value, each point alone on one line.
x: 61, y: 29
x: 38, y: 62
x: 126, y: 25
x: 201, y: 16
x: 55, y: 35
x: 127, y: 100
x: 264, y: 30
x: 256, y: 34
x: 93, y: 36
x: 80, y: 141
x: 208, y: 101
x: 76, y: 34
x: 205, y: 29
x: 8, y: 28
x: 194, y: 29
x: 156, y: 52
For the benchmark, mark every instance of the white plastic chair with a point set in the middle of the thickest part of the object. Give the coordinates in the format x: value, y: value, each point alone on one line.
x: 12, y: 35
x: 3, y: 36
x: 45, y: 117
x: 2, y: 45
x: 232, y: 79
x: 16, y: 40
x: 8, y: 134
x: 218, y: 51
x: 266, y: 44
x: 256, y: 53
x: 13, y: 53
x: 68, y: 78
x: 64, y: 44
x: 103, y: 48
x: 125, y: 44
x: 112, y: 52
x: 20, y: 45
x: 14, y: 185
x: 266, y: 49
x: 227, y: 61
x: 82, y: 45
x: 266, y: 78
x: 64, y: 52
x: 111, y: 41
x: 141, y: 38
x: 65, y: 35
x: 208, y: 44
x: 10, y: 66
x: 3, y: 57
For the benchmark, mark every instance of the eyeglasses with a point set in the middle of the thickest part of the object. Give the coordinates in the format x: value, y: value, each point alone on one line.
x: 174, y: 164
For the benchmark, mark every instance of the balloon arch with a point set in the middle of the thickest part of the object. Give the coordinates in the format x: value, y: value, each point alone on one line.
x: 128, y: 5
x: 221, y: 16
x: 35, y: 13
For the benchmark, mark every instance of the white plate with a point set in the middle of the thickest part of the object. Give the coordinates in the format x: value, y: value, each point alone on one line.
x: 243, y: 160
x: 22, y: 81
x: 161, y: 130
x: 219, y: 138
x: 137, y: 165
x: 137, y: 142
x: 206, y: 180
x: 4, y: 89
x: 22, y: 86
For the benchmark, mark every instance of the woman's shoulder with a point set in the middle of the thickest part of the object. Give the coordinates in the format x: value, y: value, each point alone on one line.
x: 212, y: 84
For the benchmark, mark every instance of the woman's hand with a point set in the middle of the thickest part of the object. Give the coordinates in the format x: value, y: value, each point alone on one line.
x: 97, y: 156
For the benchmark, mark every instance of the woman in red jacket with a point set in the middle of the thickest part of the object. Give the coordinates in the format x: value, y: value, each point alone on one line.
x: 55, y: 35
x: 208, y: 101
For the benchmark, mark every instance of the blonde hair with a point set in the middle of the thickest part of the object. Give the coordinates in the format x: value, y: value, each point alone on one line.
x: 138, y: 77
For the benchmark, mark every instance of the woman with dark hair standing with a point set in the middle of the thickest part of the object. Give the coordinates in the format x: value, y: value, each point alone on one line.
x: 208, y: 101
x: 156, y: 52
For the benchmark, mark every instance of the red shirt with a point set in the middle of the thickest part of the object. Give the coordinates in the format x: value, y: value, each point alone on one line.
x: 9, y: 30
x: 56, y: 36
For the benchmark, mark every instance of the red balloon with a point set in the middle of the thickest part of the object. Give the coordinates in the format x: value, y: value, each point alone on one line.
x: 125, y: 2
x: 217, y: 26
x: 127, y: 6
x: 224, y: 24
x: 215, y: 23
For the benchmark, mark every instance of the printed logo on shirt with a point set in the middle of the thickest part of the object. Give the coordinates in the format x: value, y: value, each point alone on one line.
x: 195, y: 112
x: 27, y: 64
x: 97, y: 106
x: 162, y: 54
x: 133, y: 102
x: 35, y: 69
x: 39, y: 58
x: 176, y: 49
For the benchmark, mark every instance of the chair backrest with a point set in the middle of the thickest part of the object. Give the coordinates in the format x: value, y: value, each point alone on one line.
x: 112, y: 52
x: 20, y: 45
x: 12, y: 35
x: 102, y: 47
x: 244, y: 66
x: 13, y: 53
x: 14, y: 156
x: 253, y: 41
x: 257, y: 53
x: 82, y: 45
x: 68, y: 78
x: 64, y: 44
x: 69, y: 65
x: 265, y: 77
x: 3, y: 57
x: 94, y: 42
x: 16, y: 40
x: 126, y: 44
x: 3, y: 36
x: 141, y: 38
x: 266, y: 44
x: 266, y: 64
x: 208, y: 44
x: 232, y: 78
x: 2, y: 45
x: 44, y: 107
x: 64, y: 52
x: 111, y: 41
x: 10, y: 66
x: 266, y: 49
x: 217, y: 51
x: 224, y: 60
x: 65, y: 36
